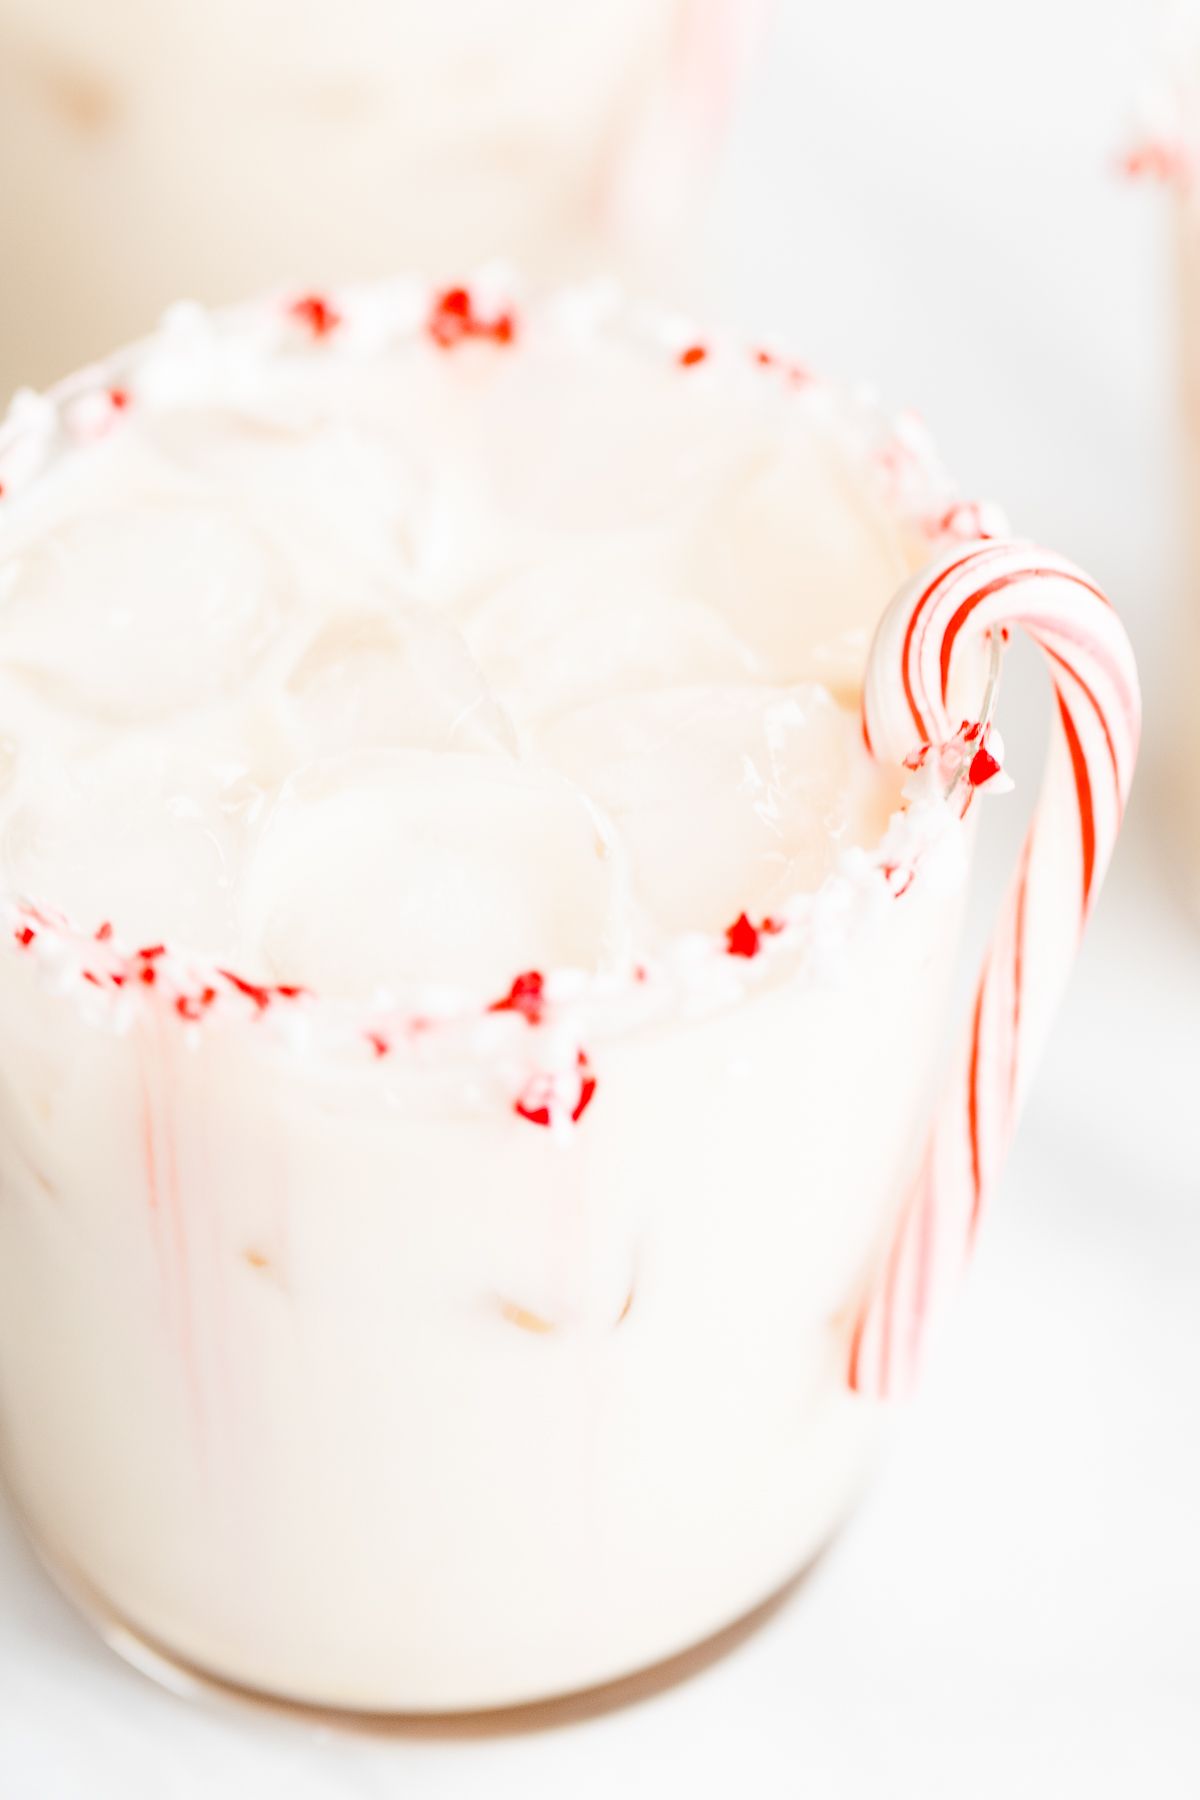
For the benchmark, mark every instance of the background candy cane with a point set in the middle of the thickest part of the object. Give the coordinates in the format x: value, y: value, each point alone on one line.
x: 973, y: 590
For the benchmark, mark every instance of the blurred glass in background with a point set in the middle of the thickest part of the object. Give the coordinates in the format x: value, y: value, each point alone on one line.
x: 1172, y: 153
x: 161, y: 149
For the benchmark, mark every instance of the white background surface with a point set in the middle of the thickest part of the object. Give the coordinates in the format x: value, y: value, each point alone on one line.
x: 924, y: 191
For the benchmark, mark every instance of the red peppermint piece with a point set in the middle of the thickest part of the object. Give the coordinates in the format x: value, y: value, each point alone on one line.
x: 526, y: 996
x: 455, y: 303
x: 544, y: 1095
x: 899, y: 880
x: 695, y: 353
x: 194, y: 1006
x: 744, y: 938
x: 261, y: 996
x: 453, y: 319
x: 25, y: 935
x: 587, y: 1089
x: 316, y: 313
x: 983, y: 767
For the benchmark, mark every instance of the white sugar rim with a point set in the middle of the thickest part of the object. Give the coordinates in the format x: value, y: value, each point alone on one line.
x: 192, y: 352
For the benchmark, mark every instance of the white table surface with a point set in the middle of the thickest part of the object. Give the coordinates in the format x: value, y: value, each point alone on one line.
x: 1016, y: 1608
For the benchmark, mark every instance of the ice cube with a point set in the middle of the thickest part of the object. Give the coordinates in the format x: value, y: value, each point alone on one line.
x: 795, y: 554
x: 727, y: 798
x: 140, y: 610
x: 338, y: 495
x: 403, y: 678
x: 376, y: 869
x: 126, y: 835
x: 603, y: 619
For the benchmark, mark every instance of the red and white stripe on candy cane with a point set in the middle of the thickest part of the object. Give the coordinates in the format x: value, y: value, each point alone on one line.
x: 978, y: 590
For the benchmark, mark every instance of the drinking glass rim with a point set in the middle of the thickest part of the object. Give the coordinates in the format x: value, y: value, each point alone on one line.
x: 115, y: 977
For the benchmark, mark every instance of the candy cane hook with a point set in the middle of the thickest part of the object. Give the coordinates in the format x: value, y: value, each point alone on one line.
x: 979, y: 590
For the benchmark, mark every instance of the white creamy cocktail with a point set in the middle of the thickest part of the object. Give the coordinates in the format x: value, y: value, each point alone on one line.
x: 208, y: 151
x: 469, y: 1000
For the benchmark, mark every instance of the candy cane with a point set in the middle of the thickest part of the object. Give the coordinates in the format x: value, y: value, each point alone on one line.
x: 982, y: 589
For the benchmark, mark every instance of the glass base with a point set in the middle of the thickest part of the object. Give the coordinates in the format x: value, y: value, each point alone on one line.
x: 191, y: 1682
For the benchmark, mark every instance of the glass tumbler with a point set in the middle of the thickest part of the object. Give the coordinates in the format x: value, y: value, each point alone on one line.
x: 422, y: 1354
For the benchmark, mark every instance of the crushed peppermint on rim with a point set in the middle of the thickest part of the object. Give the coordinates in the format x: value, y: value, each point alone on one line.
x: 208, y: 385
